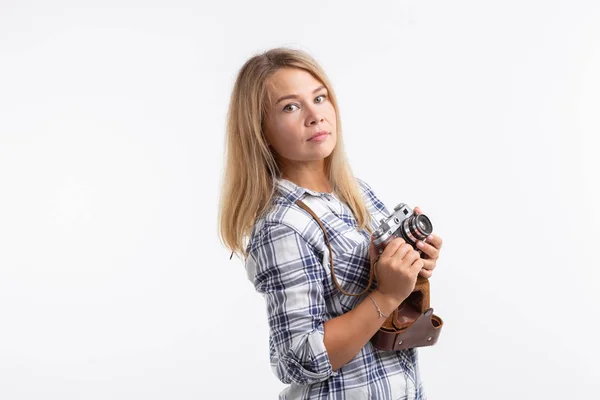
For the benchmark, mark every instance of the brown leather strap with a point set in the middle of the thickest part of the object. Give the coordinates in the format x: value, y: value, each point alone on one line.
x: 371, y: 273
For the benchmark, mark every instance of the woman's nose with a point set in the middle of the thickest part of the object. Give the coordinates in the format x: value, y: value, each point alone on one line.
x: 314, y: 114
x: 315, y: 118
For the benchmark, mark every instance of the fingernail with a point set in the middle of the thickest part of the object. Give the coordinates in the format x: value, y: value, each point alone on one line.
x: 430, y: 237
x: 420, y: 244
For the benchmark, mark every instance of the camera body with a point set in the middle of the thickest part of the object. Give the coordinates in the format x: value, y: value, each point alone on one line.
x: 403, y: 223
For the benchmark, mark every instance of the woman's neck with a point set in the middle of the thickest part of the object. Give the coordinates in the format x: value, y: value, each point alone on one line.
x: 312, y: 177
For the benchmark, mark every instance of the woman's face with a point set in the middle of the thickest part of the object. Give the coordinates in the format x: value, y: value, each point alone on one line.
x: 300, y: 108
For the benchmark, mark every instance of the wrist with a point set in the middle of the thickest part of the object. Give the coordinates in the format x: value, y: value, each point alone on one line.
x: 386, y: 303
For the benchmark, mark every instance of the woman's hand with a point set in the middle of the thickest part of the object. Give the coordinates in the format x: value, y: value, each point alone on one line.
x: 396, y: 269
x: 431, y: 248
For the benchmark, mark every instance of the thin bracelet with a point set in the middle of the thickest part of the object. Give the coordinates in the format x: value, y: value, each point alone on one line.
x: 378, y: 309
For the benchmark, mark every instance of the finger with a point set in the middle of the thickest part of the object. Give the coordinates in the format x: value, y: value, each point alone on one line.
x: 375, y: 265
x: 426, y: 273
x: 412, y: 257
x: 428, y: 249
x: 403, y: 251
x: 429, y: 264
x: 392, y: 247
x: 418, y: 210
x: 417, y: 264
x: 435, y: 240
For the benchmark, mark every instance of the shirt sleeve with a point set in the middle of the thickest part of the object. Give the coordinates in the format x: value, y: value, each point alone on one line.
x: 284, y: 268
x: 372, y: 198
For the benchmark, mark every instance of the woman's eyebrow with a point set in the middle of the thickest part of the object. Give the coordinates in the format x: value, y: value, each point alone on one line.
x: 293, y: 96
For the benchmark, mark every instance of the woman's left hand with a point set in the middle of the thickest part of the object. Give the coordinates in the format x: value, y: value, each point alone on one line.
x: 431, y: 249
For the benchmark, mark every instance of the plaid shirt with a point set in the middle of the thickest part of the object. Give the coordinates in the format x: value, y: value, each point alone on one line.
x: 288, y: 263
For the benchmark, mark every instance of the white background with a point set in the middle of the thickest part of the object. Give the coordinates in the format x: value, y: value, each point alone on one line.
x: 113, y: 281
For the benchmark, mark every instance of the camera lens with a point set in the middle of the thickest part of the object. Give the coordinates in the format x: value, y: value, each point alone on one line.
x: 416, y: 227
x: 424, y: 225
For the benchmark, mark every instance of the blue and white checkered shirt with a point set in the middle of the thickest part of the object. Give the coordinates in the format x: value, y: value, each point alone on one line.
x: 288, y: 264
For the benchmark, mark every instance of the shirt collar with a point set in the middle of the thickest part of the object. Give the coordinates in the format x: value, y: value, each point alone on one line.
x: 293, y: 192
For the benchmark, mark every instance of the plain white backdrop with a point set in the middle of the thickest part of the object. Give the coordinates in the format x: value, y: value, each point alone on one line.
x: 113, y: 281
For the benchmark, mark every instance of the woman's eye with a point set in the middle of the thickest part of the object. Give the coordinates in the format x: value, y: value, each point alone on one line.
x: 294, y: 105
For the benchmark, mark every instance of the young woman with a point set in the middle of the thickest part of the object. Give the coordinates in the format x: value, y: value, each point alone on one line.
x: 284, y: 143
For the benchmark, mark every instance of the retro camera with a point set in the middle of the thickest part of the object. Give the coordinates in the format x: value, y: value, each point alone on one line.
x: 403, y: 223
x: 413, y: 323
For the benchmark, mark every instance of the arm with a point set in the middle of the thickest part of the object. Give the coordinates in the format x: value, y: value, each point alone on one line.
x: 347, y: 334
x: 284, y: 268
x: 305, y: 347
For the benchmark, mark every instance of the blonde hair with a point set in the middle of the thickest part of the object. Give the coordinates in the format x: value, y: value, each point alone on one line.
x: 250, y: 166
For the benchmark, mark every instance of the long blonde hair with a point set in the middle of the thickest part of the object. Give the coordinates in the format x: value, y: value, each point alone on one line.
x: 250, y: 166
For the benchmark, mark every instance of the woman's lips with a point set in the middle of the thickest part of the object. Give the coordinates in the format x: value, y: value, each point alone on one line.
x: 319, y: 138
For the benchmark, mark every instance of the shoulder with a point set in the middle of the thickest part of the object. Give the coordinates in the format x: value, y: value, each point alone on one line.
x: 283, y: 218
x: 283, y: 243
x: 363, y: 185
x: 372, y: 201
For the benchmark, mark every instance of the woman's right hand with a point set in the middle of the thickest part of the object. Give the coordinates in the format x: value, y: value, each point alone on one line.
x: 397, y: 269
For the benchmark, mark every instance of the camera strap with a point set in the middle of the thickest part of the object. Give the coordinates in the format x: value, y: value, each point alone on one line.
x: 371, y: 271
